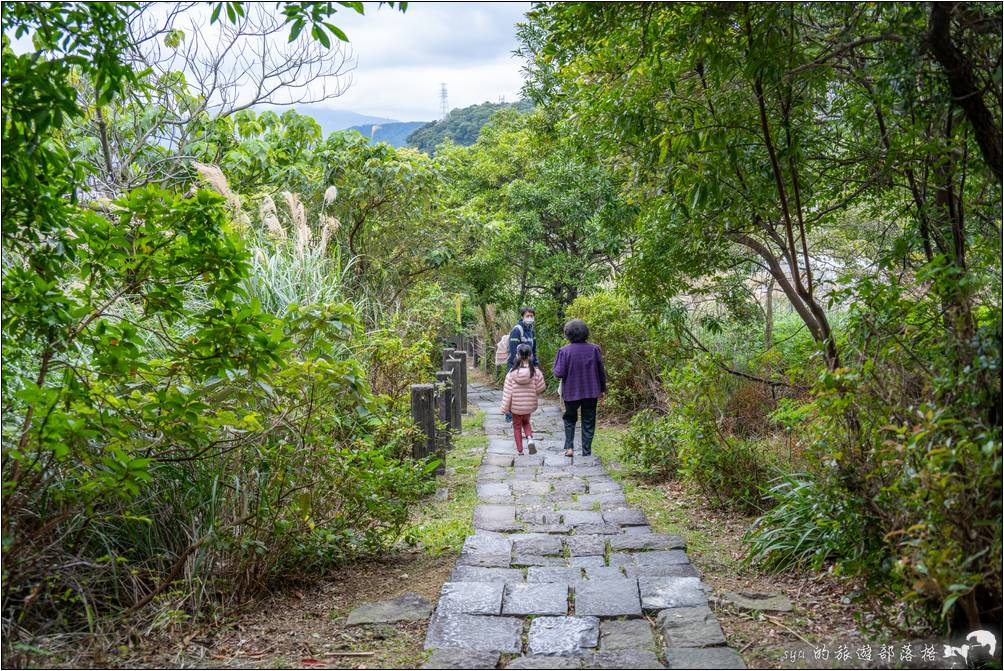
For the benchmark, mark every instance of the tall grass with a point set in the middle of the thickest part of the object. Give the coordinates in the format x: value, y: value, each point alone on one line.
x: 283, y: 273
x: 806, y: 526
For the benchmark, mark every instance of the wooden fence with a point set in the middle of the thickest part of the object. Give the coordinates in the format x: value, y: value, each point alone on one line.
x: 437, y: 408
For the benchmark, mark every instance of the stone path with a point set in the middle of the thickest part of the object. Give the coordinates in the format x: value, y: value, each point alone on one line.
x: 561, y: 574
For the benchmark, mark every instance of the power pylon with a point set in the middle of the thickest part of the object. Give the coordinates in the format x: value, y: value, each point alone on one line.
x: 444, y: 107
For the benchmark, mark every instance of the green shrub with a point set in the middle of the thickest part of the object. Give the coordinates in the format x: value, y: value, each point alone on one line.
x: 690, y: 441
x: 731, y: 472
x: 168, y: 422
x: 731, y: 475
x: 904, y: 444
x: 649, y: 446
x: 394, y: 364
x: 634, y: 353
x: 806, y: 525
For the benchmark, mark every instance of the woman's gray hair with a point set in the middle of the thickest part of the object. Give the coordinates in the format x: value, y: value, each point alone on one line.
x: 576, y: 330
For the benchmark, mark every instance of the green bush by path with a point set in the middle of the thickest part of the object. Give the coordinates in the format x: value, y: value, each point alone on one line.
x: 188, y: 408
x: 650, y: 447
x: 634, y: 352
x: 168, y: 422
x: 807, y: 524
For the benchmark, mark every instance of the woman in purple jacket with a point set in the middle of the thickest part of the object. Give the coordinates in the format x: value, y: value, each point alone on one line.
x: 579, y: 366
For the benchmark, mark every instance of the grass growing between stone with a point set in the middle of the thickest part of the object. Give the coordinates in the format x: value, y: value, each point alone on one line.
x: 441, y: 525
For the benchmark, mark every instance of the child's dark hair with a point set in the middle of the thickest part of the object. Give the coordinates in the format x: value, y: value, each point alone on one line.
x: 525, y: 353
x: 576, y: 330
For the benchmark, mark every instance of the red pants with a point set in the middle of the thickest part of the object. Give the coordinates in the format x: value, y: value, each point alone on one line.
x: 521, y: 425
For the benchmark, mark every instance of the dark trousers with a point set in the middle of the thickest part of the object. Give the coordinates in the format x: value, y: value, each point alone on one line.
x: 588, y: 406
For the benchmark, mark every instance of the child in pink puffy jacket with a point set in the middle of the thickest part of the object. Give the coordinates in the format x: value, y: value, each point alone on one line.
x: 519, y: 396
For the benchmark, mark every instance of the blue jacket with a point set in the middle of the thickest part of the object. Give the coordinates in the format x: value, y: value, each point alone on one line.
x: 521, y: 333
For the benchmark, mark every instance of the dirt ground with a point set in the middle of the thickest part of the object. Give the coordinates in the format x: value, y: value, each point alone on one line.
x: 304, y: 626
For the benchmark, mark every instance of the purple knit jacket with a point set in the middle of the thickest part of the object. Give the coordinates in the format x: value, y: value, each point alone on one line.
x: 580, y: 367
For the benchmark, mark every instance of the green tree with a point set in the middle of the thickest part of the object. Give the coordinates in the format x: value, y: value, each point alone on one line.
x: 154, y: 416
x: 775, y: 136
x: 388, y: 204
x: 742, y: 143
x: 556, y: 219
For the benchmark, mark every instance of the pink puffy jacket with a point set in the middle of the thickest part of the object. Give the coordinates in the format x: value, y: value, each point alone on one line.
x: 519, y: 393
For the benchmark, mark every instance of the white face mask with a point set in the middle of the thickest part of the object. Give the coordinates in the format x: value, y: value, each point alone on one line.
x: 528, y: 320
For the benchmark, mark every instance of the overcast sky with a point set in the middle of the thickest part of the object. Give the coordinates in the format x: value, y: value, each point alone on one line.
x: 403, y: 57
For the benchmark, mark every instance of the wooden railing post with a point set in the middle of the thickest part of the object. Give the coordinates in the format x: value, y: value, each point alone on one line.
x: 443, y: 396
x: 462, y: 356
x: 447, y: 355
x: 454, y: 366
x: 423, y: 412
x: 445, y: 404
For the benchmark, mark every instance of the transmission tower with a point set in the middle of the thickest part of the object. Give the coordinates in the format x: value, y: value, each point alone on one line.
x: 444, y: 107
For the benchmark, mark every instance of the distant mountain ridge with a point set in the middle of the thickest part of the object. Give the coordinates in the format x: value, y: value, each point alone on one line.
x: 331, y: 120
x: 462, y: 125
x: 394, y: 133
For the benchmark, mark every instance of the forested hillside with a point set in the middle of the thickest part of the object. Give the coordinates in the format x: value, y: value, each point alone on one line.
x: 781, y: 222
x: 461, y: 125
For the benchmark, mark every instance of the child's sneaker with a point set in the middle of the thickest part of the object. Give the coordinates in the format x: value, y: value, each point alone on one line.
x: 519, y: 451
x: 532, y: 446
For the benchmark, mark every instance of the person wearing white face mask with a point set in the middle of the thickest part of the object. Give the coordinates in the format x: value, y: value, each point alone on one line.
x: 522, y: 334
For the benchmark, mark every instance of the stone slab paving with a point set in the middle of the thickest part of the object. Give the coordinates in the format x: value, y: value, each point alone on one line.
x: 455, y: 658
x: 660, y: 593
x: 474, y: 632
x: 607, y: 598
x: 544, y: 662
x: 690, y: 628
x: 472, y: 598
x: 626, y: 635
x: 562, y: 573
x: 408, y: 606
x: 703, y: 658
x: 546, y: 598
x: 563, y: 636
x: 596, y: 571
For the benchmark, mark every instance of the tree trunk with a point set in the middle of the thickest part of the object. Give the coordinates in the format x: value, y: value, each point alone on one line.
x: 805, y: 305
x: 768, y: 329
x: 966, y: 92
